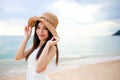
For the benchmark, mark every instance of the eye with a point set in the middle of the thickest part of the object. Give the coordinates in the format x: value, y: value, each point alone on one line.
x: 38, y: 27
x: 46, y: 28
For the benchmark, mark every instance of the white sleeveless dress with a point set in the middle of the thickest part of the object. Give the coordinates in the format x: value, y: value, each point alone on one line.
x: 31, y: 71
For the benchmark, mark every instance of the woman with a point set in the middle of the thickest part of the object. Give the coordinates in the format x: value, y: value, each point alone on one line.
x: 44, y: 45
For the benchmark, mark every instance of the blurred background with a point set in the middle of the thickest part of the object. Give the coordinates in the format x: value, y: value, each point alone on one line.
x: 86, y: 28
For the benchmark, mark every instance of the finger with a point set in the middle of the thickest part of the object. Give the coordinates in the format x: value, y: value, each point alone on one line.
x: 29, y: 28
x: 56, y: 38
x: 53, y: 39
x: 25, y: 28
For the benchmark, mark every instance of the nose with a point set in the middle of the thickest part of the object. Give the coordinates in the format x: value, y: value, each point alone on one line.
x: 40, y: 31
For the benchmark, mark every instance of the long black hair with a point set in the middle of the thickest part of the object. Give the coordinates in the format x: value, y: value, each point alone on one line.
x: 36, y: 43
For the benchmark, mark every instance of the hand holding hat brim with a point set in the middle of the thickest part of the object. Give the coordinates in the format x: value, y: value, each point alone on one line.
x: 50, y: 20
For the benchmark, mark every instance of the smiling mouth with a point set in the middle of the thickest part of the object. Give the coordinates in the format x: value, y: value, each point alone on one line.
x: 41, y: 35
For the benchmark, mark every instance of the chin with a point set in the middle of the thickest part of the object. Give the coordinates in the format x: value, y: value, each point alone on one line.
x: 42, y: 39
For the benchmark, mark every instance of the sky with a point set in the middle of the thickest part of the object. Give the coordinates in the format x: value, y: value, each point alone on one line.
x: 76, y: 17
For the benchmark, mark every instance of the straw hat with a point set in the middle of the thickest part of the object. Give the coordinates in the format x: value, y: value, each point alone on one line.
x: 49, y: 19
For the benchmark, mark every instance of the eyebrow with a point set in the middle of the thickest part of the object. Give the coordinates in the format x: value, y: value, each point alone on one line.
x: 44, y: 26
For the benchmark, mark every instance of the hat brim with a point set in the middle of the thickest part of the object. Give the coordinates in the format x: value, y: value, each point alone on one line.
x: 50, y: 27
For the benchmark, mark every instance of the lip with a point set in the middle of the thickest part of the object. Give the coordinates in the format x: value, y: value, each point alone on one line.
x: 41, y: 35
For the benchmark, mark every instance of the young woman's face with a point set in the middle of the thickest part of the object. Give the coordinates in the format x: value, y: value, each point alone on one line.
x: 42, y: 31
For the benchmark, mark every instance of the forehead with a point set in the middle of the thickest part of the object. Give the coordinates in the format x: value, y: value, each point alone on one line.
x: 41, y: 24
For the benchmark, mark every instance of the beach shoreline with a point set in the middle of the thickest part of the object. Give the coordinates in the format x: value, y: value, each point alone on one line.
x: 93, y: 69
x: 108, y: 70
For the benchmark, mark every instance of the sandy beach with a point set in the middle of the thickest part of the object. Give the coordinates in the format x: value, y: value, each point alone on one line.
x: 106, y: 70
x: 109, y: 70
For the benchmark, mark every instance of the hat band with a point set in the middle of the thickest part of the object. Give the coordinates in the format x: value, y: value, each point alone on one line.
x: 47, y: 20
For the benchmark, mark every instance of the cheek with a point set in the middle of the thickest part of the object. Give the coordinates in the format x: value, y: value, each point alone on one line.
x: 46, y: 32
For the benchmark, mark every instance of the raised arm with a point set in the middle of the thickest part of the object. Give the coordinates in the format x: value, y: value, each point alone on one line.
x: 46, y: 56
x: 22, y: 52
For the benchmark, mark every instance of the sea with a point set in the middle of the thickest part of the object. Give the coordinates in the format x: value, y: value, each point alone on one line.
x: 70, y: 49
